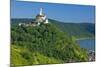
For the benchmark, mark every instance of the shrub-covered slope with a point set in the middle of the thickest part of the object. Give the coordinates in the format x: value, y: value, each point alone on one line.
x: 44, y: 44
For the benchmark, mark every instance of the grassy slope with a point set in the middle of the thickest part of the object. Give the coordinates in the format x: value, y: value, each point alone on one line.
x: 18, y: 58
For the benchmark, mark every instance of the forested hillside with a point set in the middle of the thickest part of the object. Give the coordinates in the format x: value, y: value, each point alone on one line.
x: 44, y: 44
x: 79, y: 30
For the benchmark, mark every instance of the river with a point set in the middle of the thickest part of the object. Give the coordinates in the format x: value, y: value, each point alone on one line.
x: 88, y: 44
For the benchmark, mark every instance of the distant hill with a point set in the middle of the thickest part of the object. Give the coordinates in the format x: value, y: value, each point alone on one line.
x: 44, y: 44
x: 79, y: 30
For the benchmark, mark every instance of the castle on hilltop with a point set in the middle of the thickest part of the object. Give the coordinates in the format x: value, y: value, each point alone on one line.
x: 40, y: 19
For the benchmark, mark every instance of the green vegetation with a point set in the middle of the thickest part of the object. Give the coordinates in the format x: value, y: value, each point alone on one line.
x: 79, y: 30
x: 44, y: 44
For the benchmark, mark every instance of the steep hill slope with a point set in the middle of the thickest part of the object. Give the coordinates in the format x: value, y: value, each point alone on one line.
x: 44, y: 44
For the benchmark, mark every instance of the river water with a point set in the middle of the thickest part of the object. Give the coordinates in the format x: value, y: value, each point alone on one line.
x: 88, y: 44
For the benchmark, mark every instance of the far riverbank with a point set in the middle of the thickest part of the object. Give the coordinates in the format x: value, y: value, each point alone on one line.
x: 85, y: 38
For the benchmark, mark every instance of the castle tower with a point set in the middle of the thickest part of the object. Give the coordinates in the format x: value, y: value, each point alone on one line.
x: 41, y: 13
x: 46, y: 21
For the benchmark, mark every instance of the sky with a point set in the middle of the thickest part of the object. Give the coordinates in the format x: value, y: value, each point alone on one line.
x: 61, y: 12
